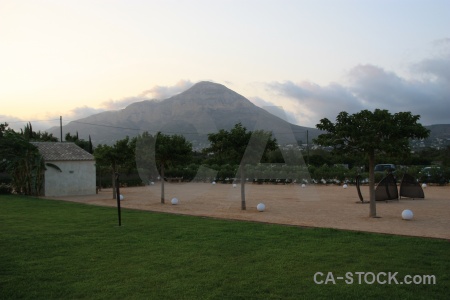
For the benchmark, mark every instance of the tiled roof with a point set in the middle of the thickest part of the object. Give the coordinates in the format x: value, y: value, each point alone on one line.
x: 62, y: 151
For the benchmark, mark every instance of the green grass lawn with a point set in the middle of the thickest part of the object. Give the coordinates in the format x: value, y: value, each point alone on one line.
x: 62, y: 250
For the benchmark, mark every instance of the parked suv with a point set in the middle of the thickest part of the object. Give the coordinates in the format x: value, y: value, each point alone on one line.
x: 388, y: 168
x: 433, y: 174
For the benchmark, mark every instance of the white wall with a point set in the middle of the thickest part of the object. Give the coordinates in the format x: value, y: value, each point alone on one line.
x: 76, y: 178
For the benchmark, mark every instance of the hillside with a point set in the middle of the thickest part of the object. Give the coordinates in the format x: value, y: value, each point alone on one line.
x: 204, y: 108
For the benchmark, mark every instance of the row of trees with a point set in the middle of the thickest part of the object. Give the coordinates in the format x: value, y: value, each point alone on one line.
x: 151, y: 155
x: 364, y: 135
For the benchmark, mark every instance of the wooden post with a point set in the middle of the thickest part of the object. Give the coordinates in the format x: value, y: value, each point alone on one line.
x: 60, y: 127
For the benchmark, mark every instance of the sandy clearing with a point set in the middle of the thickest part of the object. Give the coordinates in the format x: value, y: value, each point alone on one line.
x: 313, y: 206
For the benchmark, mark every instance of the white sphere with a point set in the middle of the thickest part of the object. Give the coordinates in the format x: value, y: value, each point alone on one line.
x: 234, y: 185
x: 213, y: 182
x: 407, y: 214
x: 174, y: 201
x: 121, y: 197
x: 303, y: 185
x: 261, y: 207
x: 152, y: 183
x: 345, y: 186
x: 424, y: 185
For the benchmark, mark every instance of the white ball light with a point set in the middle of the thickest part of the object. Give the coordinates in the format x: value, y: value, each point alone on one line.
x: 234, y: 185
x: 174, y: 201
x: 121, y: 197
x: 303, y: 185
x: 213, y: 182
x: 407, y: 214
x: 424, y: 185
x: 152, y: 183
x: 345, y: 186
x: 261, y: 207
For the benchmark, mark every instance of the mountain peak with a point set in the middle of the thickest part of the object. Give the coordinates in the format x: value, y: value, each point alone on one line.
x: 208, y: 84
x: 204, y: 108
x: 211, y: 95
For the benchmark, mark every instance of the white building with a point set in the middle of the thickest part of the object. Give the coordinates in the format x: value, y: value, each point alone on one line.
x: 76, y: 174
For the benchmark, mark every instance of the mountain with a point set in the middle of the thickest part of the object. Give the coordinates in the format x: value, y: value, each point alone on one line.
x: 439, y: 137
x: 439, y: 131
x: 204, y: 108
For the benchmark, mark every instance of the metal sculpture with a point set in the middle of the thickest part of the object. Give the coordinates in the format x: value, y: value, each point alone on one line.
x: 410, y: 188
x: 387, y: 189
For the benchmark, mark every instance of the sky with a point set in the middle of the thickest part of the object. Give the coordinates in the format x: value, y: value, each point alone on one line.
x: 312, y: 58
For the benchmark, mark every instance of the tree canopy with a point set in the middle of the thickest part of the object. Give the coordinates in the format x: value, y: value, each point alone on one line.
x: 160, y: 151
x: 229, y: 147
x: 371, y: 133
x: 86, y: 145
x: 37, y: 136
x: 239, y: 146
x: 21, y: 160
x: 119, y: 156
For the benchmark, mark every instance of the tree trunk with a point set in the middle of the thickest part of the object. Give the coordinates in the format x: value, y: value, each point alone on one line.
x: 243, y: 207
x: 373, y: 204
x: 162, y: 183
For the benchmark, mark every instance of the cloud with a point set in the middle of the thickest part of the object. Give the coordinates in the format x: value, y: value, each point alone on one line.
x: 13, y: 122
x: 83, y: 112
x: 427, y: 97
x: 275, y: 109
x: 155, y: 93
x: 437, y: 67
x: 445, y: 42
x: 39, y: 123
x: 122, y: 103
x: 313, y: 102
x: 163, y: 92
x: 426, y: 92
x: 376, y: 87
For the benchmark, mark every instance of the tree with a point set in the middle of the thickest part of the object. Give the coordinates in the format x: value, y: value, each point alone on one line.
x: 371, y: 133
x: 86, y: 145
x: 170, y: 149
x: 22, y: 161
x: 160, y: 151
x: 30, y: 135
x: 239, y: 146
x: 116, y: 157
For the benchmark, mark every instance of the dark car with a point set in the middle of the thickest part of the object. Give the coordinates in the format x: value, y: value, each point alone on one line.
x: 385, y: 168
x: 432, y: 174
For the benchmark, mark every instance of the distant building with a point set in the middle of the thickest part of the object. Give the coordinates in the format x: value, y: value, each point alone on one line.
x: 73, y: 173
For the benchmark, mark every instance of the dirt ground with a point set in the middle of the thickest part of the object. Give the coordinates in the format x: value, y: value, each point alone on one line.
x: 312, y: 206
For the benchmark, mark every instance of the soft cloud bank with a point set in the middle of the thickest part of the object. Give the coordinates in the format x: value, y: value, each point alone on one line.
x: 425, y: 93
x: 159, y: 92
x: 155, y: 93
